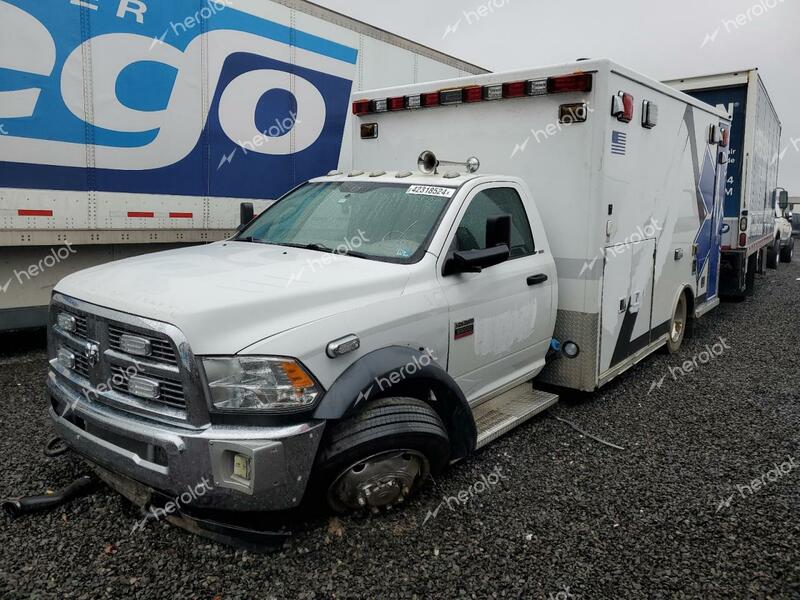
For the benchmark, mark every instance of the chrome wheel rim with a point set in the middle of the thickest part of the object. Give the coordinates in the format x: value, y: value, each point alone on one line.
x: 679, y: 320
x: 378, y: 482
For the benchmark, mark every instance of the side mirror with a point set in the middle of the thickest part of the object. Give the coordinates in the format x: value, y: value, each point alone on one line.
x: 475, y: 261
x: 246, y: 214
x: 498, y: 231
x: 783, y: 199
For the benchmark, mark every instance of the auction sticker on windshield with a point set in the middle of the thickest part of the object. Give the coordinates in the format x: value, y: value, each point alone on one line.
x: 428, y: 190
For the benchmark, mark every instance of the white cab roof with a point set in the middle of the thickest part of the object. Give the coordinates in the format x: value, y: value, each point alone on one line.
x: 443, y: 179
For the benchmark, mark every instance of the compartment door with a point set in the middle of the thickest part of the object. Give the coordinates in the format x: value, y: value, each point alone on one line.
x: 627, y: 302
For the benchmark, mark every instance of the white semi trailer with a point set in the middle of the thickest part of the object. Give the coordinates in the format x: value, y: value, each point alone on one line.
x: 133, y: 126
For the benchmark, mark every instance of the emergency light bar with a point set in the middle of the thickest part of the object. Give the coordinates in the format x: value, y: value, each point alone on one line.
x: 576, y: 82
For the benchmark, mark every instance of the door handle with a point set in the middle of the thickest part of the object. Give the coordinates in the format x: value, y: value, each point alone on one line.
x: 537, y: 279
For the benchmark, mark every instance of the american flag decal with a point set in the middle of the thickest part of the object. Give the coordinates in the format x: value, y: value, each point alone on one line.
x: 619, y: 142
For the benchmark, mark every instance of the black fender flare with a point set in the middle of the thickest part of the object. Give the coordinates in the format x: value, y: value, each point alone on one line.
x: 376, y: 374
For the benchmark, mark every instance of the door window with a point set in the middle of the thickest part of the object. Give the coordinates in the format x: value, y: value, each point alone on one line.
x: 471, y: 232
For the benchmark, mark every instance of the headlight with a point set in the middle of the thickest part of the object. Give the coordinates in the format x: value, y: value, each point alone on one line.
x: 259, y: 383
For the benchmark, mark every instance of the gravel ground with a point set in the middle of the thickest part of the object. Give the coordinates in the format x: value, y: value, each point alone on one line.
x: 569, y: 517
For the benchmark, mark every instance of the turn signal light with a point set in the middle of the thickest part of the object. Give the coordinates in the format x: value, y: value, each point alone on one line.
x: 297, y: 376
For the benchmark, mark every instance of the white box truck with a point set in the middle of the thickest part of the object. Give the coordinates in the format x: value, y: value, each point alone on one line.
x: 373, y: 325
x: 751, y: 237
x: 128, y: 127
x: 631, y: 201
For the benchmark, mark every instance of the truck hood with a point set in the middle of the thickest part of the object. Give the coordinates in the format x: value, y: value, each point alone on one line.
x: 228, y: 295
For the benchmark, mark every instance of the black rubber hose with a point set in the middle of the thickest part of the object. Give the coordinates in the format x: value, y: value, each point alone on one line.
x: 14, y: 507
x: 55, y: 447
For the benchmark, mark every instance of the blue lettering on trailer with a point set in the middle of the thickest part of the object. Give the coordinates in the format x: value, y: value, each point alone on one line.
x: 185, y: 97
x: 735, y: 96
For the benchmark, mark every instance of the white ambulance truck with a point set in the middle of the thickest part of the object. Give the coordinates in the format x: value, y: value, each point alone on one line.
x: 133, y: 126
x: 374, y: 325
x: 751, y: 237
x: 627, y: 174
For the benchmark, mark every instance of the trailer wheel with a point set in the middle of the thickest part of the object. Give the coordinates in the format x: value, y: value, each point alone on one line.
x: 380, y: 456
x: 773, y: 252
x: 678, y: 325
x: 787, y: 252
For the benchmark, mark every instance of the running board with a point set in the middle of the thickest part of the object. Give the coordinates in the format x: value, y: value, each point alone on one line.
x: 507, y: 411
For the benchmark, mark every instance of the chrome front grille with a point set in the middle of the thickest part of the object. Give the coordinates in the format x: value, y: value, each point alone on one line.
x: 162, y: 349
x: 171, y: 390
x: 81, y: 325
x: 100, y: 359
x: 82, y: 366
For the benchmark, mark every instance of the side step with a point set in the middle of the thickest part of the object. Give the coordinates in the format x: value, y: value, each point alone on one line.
x: 507, y: 411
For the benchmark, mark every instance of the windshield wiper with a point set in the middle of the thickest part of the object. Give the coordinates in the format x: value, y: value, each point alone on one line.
x: 312, y: 246
x: 327, y: 249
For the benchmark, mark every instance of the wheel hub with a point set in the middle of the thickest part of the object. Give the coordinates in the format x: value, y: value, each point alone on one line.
x: 679, y: 320
x: 379, y: 481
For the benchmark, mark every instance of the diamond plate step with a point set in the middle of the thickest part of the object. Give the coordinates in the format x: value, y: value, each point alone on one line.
x: 507, y: 411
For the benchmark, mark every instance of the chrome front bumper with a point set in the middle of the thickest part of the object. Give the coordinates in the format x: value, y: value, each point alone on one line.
x: 170, y: 458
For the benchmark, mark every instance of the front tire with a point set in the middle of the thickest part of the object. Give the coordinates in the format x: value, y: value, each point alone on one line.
x: 787, y: 252
x: 678, y: 325
x: 773, y: 253
x: 380, y: 456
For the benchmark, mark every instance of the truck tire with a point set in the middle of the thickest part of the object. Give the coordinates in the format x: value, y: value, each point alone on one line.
x: 752, y: 269
x: 787, y: 252
x: 380, y: 456
x: 678, y: 324
x: 773, y: 252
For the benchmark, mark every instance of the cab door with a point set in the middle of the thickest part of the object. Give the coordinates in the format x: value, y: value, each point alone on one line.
x: 500, y: 318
